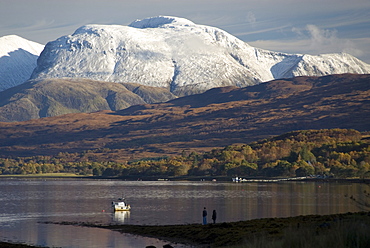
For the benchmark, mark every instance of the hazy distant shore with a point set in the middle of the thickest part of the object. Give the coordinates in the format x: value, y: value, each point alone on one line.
x: 186, y: 178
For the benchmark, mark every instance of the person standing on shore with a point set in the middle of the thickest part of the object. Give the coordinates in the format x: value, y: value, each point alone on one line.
x: 214, y: 216
x: 204, y: 216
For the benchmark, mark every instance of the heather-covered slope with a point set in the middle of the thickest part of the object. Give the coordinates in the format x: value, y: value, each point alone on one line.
x: 216, y: 118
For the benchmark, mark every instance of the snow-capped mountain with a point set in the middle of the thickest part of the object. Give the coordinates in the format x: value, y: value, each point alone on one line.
x: 18, y: 59
x: 177, y: 54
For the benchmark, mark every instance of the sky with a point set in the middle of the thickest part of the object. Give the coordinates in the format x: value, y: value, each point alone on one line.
x: 290, y: 26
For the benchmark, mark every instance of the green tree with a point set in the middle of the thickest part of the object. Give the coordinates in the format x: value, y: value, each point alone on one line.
x: 304, y: 169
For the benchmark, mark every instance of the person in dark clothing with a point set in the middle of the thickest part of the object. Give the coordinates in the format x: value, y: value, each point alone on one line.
x: 214, y: 216
x: 204, y: 216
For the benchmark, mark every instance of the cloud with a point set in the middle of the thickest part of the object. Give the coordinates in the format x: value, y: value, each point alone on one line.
x: 318, y: 45
x: 320, y: 41
x: 321, y: 37
x: 251, y: 18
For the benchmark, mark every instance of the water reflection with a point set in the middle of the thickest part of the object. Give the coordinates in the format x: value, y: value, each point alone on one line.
x: 121, y: 217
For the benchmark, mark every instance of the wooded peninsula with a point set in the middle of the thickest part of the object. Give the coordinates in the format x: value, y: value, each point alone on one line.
x: 337, y: 153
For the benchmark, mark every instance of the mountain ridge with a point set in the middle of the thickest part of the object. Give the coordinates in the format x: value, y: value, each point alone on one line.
x: 176, y: 54
x: 173, y: 56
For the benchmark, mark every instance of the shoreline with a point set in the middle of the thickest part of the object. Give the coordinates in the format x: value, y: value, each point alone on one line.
x: 15, y: 245
x: 234, y: 234
x: 316, y: 230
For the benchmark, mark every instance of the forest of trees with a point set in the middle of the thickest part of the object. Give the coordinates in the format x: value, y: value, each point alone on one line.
x: 338, y: 153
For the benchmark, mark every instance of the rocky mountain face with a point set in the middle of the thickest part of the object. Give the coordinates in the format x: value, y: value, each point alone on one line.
x: 18, y: 58
x: 178, y: 55
x: 216, y: 118
x: 51, y: 97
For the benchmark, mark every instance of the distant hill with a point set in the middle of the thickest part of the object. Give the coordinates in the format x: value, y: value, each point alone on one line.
x: 216, y: 118
x: 51, y: 97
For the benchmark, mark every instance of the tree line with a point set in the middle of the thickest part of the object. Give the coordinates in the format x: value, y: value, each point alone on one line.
x: 340, y: 153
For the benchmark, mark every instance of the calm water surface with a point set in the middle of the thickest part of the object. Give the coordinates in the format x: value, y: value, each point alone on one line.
x: 25, y: 204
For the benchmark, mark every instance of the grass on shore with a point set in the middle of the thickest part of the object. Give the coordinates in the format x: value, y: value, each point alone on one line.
x: 338, y: 230
x: 14, y: 245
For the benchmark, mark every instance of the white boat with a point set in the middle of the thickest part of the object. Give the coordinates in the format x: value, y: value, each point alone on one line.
x: 120, y: 205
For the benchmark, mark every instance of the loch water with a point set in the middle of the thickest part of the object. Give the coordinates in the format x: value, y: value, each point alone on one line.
x: 27, y: 204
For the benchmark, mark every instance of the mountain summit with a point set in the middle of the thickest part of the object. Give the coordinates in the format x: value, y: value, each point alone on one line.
x: 176, y: 54
x: 18, y: 58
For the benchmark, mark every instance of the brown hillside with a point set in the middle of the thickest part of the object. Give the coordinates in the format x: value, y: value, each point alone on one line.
x: 216, y: 118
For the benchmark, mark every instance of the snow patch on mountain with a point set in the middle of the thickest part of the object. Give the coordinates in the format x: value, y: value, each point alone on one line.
x: 177, y: 54
x: 336, y: 63
x: 18, y: 59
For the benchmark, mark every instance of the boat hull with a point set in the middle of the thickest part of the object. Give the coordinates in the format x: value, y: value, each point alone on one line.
x: 119, y: 208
